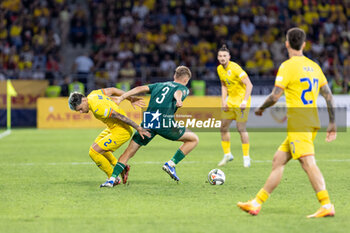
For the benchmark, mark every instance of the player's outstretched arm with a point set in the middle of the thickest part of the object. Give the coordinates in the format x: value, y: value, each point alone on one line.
x: 132, y: 92
x: 112, y: 91
x: 332, y: 128
x: 271, y: 100
x: 178, y: 98
x: 143, y: 132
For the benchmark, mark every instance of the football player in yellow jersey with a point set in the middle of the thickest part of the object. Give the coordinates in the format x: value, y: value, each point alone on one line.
x: 235, y: 92
x: 119, y: 127
x: 301, y: 80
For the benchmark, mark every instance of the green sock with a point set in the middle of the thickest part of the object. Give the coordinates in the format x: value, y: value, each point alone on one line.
x: 178, y: 156
x: 118, y: 168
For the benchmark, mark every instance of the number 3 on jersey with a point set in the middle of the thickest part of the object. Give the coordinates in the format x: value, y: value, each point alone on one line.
x: 312, y: 87
x: 165, y: 90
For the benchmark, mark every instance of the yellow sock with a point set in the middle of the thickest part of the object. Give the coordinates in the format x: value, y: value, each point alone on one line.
x: 226, y: 146
x: 101, y: 162
x: 245, y: 149
x: 262, y: 196
x: 323, y: 197
x: 112, y: 160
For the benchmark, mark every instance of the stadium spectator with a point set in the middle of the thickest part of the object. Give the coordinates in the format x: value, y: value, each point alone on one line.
x: 78, y: 34
x: 189, y: 31
x: 82, y: 67
x: 64, y: 24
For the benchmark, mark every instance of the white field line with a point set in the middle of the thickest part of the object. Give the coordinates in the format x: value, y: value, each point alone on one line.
x: 4, y: 134
x: 152, y: 162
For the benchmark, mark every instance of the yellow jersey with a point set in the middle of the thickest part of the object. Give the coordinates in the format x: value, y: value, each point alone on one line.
x: 232, y: 76
x: 301, y: 79
x: 101, y: 106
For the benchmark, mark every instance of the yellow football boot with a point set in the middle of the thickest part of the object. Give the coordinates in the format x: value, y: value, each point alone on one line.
x: 322, y: 212
x: 249, y: 207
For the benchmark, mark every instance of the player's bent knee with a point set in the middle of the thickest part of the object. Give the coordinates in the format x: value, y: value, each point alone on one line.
x: 224, y: 128
x: 307, y: 162
x: 195, y: 138
x: 93, y: 155
x: 241, y: 128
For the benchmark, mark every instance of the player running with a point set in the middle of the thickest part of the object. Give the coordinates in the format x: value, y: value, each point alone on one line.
x: 166, y: 98
x: 118, y: 130
x: 301, y: 79
x: 236, y: 89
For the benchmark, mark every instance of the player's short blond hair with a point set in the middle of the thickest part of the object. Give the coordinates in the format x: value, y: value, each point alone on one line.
x: 182, y: 71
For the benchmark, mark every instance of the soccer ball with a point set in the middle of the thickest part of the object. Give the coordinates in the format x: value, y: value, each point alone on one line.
x: 216, y: 177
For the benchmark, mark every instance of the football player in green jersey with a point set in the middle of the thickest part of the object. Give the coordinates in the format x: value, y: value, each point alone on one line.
x: 166, y: 98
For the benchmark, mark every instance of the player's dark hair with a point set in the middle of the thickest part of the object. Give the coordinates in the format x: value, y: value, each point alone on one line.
x: 75, y: 99
x: 224, y: 48
x: 182, y: 71
x: 296, y: 37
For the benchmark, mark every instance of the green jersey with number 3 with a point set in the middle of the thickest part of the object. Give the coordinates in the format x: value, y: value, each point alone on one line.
x: 162, y: 97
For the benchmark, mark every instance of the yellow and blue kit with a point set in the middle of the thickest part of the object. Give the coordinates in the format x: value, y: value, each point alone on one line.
x: 232, y: 77
x: 117, y: 132
x: 301, y: 79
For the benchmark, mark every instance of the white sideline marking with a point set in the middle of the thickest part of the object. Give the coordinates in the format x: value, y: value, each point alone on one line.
x: 152, y: 162
x: 4, y: 134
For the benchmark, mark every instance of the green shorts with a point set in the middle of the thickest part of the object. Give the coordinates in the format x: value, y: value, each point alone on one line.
x: 169, y: 133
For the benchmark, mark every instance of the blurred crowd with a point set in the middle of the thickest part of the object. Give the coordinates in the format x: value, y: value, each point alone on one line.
x: 28, y: 44
x: 32, y: 33
x: 129, y: 36
x: 147, y: 39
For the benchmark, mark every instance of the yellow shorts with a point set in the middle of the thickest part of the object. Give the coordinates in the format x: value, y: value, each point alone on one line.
x: 299, y: 144
x: 235, y: 113
x: 111, y: 140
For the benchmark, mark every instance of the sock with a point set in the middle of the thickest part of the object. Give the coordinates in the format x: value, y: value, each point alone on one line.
x: 171, y: 163
x: 262, y: 196
x: 323, y: 198
x: 245, y: 149
x: 119, y: 167
x: 226, y: 147
x: 101, y: 162
x: 255, y: 203
x: 178, y: 156
x: 112, y: 160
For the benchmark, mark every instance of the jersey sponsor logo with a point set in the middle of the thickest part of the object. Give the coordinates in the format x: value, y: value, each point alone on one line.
x: 100, y: 97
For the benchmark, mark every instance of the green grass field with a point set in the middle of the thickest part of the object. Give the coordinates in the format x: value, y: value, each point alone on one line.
x: 49, y: 184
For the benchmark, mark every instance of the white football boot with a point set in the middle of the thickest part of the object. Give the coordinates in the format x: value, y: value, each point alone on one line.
x: 246, y: 161
x: 227, y: 158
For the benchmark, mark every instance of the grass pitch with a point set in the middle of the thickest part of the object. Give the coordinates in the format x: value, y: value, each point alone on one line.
x: 49, y: 184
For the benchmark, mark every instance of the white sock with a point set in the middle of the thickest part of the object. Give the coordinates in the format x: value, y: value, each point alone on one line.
x: 171, y: 163
x: 228, y: 155
x: 327, y: 206
x: 112, y: 178
x: 255, y: 203
x: 246, y: 156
